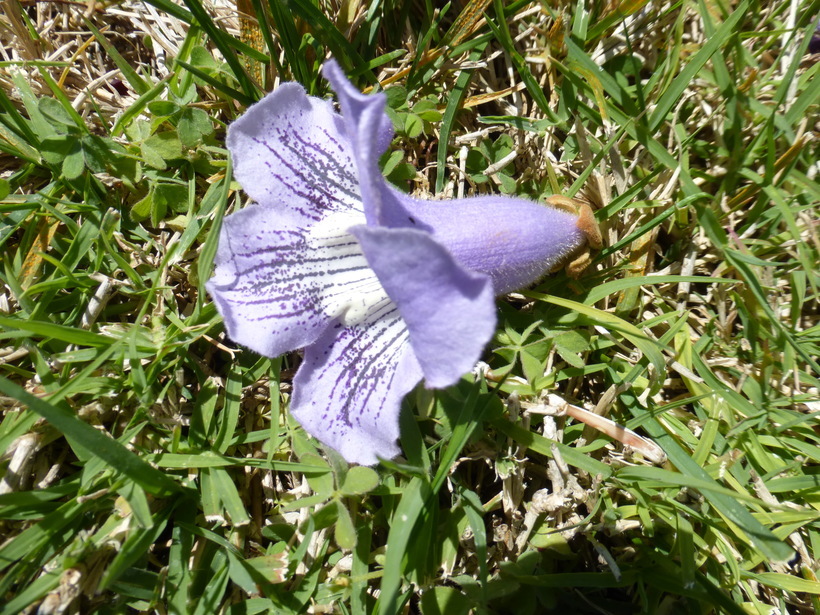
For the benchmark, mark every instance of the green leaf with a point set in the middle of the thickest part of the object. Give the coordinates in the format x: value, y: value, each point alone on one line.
x: 74, y: 162
x: 507, y: 184
x: 128, y: 169
x: 163, y: 108
x: 55, y: 149
x: 161, y: 147
x: 97, y: 153
x: 359, y: 480
x: 413, y: 125
x: 403, y: 172
x: 142, y: 209
x: 56, y: 113
x: 321, y: 483
x: 443, y: 600
x: 194, y: 125
x: 172, y: 196
x: 533, y: 367
x: 390, y: 160
x: 159, y: 208
x: 569, y: 345
x: 396, y: 97
x: 427, y: 110
x: 202, y: 58
x: 344, y: 532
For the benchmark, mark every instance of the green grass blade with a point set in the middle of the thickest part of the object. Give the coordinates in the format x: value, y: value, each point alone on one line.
x: 227, y: 90
x: 449, y: 118
x: 226, y: 45
x: 671, y: 96
x: 327, y: 32
x: 728, y: 506
x: 402, y: 530
x: 137, y: 82
x: 94, y: 442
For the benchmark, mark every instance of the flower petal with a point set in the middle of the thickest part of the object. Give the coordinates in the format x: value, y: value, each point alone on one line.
x: 449, y: 311
x: 370, y: 131
x: 348, y: 391
x: 279, y: 285
x: 291, y: 153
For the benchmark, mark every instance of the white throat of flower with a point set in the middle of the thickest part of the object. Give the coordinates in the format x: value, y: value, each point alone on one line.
x: 351, y: 291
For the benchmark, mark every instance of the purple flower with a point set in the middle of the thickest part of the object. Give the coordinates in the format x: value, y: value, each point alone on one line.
x: 380, y: 289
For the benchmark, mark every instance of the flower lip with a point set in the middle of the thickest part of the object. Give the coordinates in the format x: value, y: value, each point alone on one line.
x: 370, y: 132
x: 449, y: 311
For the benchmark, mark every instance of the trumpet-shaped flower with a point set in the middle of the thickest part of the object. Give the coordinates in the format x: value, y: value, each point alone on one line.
x: 380, y: 289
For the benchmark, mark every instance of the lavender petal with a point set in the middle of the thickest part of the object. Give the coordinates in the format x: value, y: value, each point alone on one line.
x: 348, y: 391
x: 370, y: 131
x: 279, y: 285
x: 291, y: 154
x: 449, y: 311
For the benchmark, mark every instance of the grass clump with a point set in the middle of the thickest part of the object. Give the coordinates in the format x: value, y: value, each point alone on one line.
x: 149, y: 465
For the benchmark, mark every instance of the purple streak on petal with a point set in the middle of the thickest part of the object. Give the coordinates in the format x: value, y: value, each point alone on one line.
x: 512, y: 240
x: 348, y: 391
x: 449, y: 311
x: 278, y: 286
x: 291, y: 153
x: 370, y: 131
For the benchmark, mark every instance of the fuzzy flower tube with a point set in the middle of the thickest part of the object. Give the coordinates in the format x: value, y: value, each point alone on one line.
x: 380, y: 289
